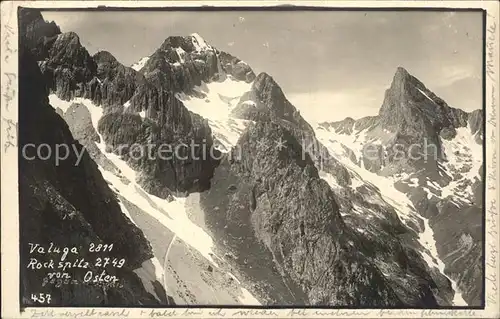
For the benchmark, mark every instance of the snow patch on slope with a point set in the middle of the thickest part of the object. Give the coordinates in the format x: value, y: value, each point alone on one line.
x: 199, y: 43
x: 96, y: 112
x: 172, y: 215
x: 354, y: 142
x: 426, y: 238
x: 56, y: 102
x: 149, y: 272
x: 329, y: 179
x: 180, y: 53
x: 247, y: 298
x: 464, y: 159
x: 398, y: 200
x: 126, y: 105
x: 336, y: 142
x: 220, y: 98
x: 424, y: 94
x: 140, y: 64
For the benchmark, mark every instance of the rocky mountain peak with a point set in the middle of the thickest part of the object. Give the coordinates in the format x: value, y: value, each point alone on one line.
x: 104, y: 56
x: 268, y: 93
x: 270, y: 101
x: 28, y: 16
x: 345, y: 126
x: 36, y: 31
x: 263, y: 80
x: 32, y: 20
x: 190, y: 43
x: 404, y: 87
x: 183, y: 62
x: 401, y: 74
x: 177, y: 41
x: 410, y: 108
x: 199, y: 42
x: 69, y: 38
x: 67, y: 50
x: 403, y: 83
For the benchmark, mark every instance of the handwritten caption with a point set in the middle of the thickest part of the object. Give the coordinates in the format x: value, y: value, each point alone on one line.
x: 254, y: 313
x: 492, y: 206
x: 59, y: 269
x: 9, y: 89
x: 71, y: 265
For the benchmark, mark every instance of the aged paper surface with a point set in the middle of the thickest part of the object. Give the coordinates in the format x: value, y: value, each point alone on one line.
x: 125, y: 267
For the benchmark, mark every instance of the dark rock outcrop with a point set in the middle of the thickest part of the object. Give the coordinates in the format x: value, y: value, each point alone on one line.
x: 173, y: 147
x: 269, y: 104
x: 69, y: 67
x: 240, y: 70
x: 179, y: 65
x: 417, y: 117
x: 37, y: 33
x: 458, y: 234
x: 476, y: 119
x: 287, y: 221
x: 69, y: 205
x: 114, y: 84
x: 65, y: 64
x: 71, y: 72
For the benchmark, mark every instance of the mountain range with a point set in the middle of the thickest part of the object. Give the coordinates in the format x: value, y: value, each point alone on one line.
x: 383, y: 211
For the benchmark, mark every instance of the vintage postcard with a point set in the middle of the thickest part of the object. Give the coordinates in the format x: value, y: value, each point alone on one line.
x: 249, y: 159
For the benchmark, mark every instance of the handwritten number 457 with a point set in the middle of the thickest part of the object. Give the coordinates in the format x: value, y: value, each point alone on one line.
x: 41, y: 298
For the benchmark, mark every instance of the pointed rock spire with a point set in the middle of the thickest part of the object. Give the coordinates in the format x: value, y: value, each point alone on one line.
x: 406, y: 91
x: 401, y: 75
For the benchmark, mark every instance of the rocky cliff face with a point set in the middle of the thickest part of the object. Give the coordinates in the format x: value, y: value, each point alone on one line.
x: 68, y: 67
x: 266, y: 102
x: 296, y: 219
x: 37, y: 33
x: 123, y: 93
x: 258, y: 196
x: 182, y: 63
x: 114, y: 83
x: 70, y: 206
x: 413, y: 109
x: 293, y: 243
x: 439, y: 167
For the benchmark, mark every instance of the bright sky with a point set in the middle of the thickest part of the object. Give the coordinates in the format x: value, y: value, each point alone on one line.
x: 330, y: 64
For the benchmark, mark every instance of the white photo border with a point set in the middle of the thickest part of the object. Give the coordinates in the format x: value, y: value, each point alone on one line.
x: 9, y: 171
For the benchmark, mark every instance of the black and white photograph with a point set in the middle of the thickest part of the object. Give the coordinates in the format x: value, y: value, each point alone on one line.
x: 254, y: 158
